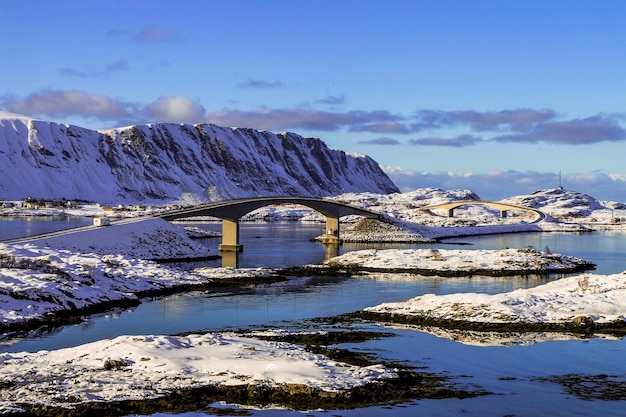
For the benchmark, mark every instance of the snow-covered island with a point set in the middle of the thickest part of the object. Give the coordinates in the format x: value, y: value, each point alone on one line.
x: 587, y: 303
x: 140, y: 368
x: 458, y: 262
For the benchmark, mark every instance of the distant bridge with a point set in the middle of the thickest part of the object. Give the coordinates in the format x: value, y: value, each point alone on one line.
x: 232, y: 210
x: 503, y: 207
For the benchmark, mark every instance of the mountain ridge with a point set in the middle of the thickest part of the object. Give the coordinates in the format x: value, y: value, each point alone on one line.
x: 163, y: 162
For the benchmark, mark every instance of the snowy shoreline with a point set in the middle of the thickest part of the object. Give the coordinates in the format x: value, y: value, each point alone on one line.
x: 459, y: 262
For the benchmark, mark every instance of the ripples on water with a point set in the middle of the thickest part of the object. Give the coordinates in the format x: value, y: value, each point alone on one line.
x: 508, y: 368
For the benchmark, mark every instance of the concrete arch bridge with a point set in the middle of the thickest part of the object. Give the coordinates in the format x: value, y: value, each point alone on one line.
x: 231, y: 211
x: 503, y: 207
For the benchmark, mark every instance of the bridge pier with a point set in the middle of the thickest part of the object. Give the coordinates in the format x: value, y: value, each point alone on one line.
x: 451, y: 212
x: 230, y: 259
x: 332, y: 230
x: 503, y: 213
x: 230, y: 236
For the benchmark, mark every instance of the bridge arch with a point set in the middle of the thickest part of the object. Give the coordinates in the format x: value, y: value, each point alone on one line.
x: 503, y: 207
x: 231, y: 211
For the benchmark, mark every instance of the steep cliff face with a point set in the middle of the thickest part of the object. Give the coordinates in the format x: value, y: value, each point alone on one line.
x: 167, y: 162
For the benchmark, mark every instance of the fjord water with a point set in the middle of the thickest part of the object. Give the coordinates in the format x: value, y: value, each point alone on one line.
x: 16, y: 227
x: 511, y: 368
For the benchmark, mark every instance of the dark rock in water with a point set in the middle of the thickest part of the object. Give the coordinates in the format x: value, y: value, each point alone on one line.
x: 583, y: 321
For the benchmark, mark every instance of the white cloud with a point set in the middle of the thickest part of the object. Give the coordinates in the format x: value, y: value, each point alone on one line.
x: 176, y: 110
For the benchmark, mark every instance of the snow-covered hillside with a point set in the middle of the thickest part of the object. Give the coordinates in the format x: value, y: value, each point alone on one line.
x: 571, y: 205
x: 559, y: 200
x: 173, y: 162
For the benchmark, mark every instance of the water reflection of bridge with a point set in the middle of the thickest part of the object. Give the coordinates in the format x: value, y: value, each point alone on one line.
x: 232, y: 210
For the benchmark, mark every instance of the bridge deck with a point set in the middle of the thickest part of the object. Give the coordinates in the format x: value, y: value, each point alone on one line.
x: 235, y: 209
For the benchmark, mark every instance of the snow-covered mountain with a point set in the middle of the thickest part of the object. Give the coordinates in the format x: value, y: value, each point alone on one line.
x: 173, y: 162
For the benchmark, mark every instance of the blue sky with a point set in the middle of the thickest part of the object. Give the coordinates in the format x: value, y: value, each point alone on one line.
x: 492, y: 96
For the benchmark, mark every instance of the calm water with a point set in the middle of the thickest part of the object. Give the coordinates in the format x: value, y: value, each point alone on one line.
x: 509, y: 371
x: 15, y: 227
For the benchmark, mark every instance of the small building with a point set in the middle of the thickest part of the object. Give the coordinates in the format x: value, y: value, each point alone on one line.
x: 101, y: 221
